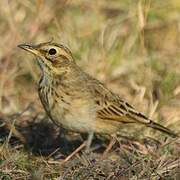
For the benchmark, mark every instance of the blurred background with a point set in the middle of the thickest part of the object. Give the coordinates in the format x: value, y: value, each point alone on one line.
x: 133, y: 46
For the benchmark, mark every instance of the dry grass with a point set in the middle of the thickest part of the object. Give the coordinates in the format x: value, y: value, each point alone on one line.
x: 132, y: 46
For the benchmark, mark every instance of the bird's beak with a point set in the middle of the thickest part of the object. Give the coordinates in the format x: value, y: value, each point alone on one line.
x: 30, y: 48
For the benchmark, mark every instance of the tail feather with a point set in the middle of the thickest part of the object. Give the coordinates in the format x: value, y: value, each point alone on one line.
x: 137, y: 116
x: 161, y: 128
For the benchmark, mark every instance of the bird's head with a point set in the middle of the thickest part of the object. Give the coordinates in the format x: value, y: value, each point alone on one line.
x: 52, y: 57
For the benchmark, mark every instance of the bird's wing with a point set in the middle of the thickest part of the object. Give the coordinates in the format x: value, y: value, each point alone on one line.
x: 119, y: 110
x: 111, y: 107
x: 124, y: 113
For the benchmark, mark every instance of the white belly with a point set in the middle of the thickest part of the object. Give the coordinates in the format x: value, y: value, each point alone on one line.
x: 78, y: 115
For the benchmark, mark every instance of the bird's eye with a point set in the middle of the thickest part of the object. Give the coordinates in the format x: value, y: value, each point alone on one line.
x: 52, y: 51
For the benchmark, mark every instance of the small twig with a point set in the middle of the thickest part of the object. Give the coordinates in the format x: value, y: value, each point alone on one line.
x: 75, y: 151
x: 10, y: 126
x: 169, y: 142
x: 50, y: 155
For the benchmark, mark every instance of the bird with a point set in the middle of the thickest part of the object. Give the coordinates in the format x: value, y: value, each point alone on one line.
x: 76, y: 101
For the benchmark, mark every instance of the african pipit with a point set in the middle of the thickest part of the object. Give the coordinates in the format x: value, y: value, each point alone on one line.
x: 76, y: 101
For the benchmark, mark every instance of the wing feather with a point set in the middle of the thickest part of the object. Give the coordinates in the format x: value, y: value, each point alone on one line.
x: 111, y: 107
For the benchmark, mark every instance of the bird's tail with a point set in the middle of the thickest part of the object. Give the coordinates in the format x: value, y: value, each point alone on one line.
x: 135, y: 116
x: 161, y: 128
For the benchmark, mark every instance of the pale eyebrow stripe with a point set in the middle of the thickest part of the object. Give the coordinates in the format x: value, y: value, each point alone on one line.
x: 66, y: 54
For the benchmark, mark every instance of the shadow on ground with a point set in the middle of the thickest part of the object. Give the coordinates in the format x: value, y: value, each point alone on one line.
x: 44, y: 138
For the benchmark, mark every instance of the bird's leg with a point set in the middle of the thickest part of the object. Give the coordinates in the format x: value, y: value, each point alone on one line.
x: 89, y: 142
x: 110, y: 145
x: 86, y: 144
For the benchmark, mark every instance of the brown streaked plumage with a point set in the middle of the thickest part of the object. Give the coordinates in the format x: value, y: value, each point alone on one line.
x: 78, y: 102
